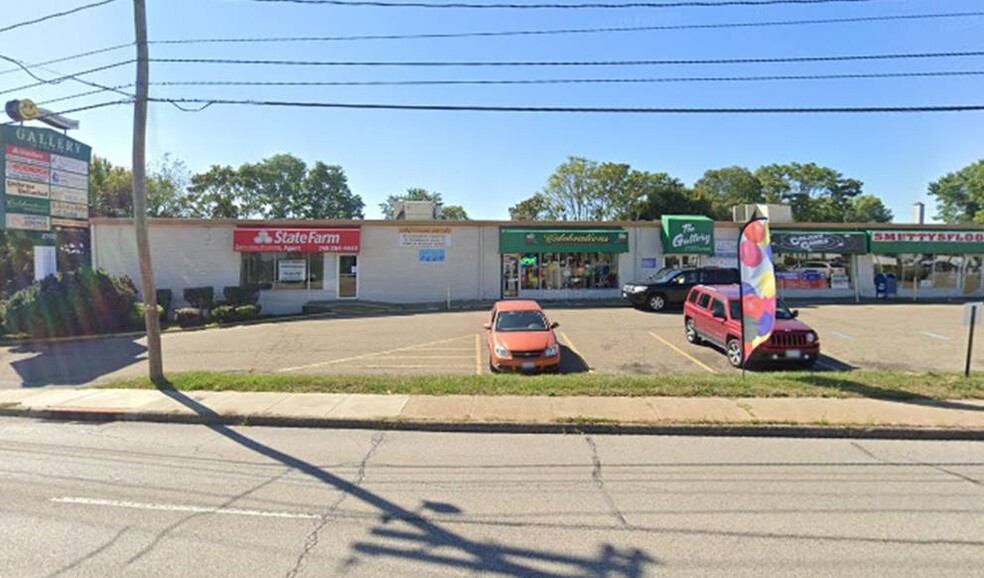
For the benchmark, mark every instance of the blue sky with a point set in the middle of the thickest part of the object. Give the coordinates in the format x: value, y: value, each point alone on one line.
x: 489, y: 161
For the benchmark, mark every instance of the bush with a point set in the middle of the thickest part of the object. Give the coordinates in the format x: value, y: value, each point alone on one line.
x: 242, y: 295
x: 200, y: 297
x: 247, y: 312
x: 224, y: 313
x: 79, y: 303
x: 164, y: 298
x: 189, y: 317
x: 3, y: 319
x: 137, y: 315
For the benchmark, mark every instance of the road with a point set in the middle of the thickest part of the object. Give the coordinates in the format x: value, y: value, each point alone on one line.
x: 603, y: 339
x: 171, y: 500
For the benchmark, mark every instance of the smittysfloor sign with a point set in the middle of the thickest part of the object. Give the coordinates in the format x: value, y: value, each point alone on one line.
x: 45, y: 179
x: 926, y: 241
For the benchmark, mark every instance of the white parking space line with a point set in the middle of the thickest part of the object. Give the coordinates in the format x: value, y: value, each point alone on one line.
x: 184, y: 508
x: 373, y: 354
x: 843, y: 336
x: 935, y: 336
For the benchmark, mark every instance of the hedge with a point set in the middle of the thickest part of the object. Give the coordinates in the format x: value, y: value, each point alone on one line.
x: 200, y: 297
x: 241, y: 295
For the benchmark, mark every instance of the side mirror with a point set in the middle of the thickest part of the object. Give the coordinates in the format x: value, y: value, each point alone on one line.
x: 795, y: 313
x: 487, y: 326
x: 554, y: 325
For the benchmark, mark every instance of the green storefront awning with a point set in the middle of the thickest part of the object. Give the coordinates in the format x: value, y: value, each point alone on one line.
x: 571, y: 240
x: 687, y: 235
x: 927, y: 241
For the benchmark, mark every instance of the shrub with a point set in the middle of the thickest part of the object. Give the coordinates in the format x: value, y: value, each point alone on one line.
x: 164, y: 298
x: 79, y: 303
x: 3, y: 318
x: 200, y: 297
x: 224, y: 313
x: 247, y: 312
x: 242, y: 295
x: 189, y: 317
x: 137, y: 317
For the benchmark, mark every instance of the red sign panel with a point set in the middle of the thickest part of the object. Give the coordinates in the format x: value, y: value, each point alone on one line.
x: 17, y: 153
x: 278, y: 240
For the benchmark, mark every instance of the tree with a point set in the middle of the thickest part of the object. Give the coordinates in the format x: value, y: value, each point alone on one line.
x: 328, y: 196
x: 412, y: 194
x: 960, y: 195
x: 666, y: 195
x: 218, y: 193
x: 571, y: 191
x: 816, y: 194
x: 166, y: 186
x: 110, y: 189
x: 868, y: 209
x: 532, y: 209
x: 728, y: 187
x: 454, y: 213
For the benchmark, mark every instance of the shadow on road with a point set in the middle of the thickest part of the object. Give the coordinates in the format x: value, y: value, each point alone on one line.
x: 571, y: 362
x: 419, y: 539
x: 74, y: 363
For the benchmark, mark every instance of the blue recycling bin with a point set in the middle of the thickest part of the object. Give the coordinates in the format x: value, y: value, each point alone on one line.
x: 886, y: 285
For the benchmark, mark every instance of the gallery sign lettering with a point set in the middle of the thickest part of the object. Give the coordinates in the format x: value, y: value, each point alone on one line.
x: 687, y: 235
x: 293, y: 240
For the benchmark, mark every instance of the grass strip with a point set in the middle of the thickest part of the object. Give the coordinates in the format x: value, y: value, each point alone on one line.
x: 868, y: 384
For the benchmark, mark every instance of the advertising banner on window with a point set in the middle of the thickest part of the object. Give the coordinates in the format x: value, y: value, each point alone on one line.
x: 283, y: 240
x: 291, y: 270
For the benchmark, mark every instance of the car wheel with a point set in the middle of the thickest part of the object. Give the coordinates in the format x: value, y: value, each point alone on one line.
x: 691, y: 331
x: 492, y: 367
x: 733, y: 350
x: 656, y: 302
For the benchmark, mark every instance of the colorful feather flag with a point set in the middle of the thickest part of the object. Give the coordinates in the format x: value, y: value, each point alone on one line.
x: 758, y: 285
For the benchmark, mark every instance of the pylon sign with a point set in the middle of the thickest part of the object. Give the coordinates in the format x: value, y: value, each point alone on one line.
x: 45, y: 180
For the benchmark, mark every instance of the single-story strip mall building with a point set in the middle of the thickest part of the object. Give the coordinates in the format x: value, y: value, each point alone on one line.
x: 297, y: 262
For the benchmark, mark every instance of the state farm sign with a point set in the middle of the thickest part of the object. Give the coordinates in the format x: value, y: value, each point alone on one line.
x: 277, y: 240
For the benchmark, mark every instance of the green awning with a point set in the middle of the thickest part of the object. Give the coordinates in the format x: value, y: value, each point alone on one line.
x: 927, y: 241
x: 569, y: 240
x: 687, y: 235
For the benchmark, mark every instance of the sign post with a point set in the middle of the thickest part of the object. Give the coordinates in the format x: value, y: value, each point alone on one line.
x: 972, y: 318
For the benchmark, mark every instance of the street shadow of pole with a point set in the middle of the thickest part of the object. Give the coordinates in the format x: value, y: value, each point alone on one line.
x: 479, y: 556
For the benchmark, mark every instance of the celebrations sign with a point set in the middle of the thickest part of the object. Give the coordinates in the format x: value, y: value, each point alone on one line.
x: 758, y: 285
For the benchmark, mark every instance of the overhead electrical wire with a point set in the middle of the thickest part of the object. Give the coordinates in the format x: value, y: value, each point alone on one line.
x: 571, y: 63
x: 55, y: 15
x: 65, y: 77
x: 77, y: 109
x: 71, y: 57
x: 556, y: 6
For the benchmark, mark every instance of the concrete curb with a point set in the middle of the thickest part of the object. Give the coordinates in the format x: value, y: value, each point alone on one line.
x: 764, y: 430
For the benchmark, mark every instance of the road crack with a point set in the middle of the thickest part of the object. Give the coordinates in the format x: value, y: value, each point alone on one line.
x: 600, y: 482
x: 312, y: 539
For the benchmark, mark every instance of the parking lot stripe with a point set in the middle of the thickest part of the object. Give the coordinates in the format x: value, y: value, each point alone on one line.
x: 374, y: 354
x: 935, y: 336
x: 842, y: 335
x: 478, y: 354
x: 684, y: 353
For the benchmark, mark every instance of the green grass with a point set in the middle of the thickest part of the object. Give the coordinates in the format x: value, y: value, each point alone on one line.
x: 871, y: 384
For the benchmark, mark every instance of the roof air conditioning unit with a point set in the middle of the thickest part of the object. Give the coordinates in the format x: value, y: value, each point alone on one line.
x: 415, y: 210
x: 775, y: 213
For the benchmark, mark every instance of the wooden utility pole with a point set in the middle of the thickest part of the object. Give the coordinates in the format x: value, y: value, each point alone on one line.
x: 140, y: 195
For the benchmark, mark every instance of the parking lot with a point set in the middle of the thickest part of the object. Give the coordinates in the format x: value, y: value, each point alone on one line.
x: 900, y: 336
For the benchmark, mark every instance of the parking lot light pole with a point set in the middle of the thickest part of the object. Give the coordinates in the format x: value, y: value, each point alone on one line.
x: 151, y: 316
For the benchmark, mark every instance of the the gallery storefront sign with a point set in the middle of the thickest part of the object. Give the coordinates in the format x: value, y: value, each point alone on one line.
x: 294, y: 240
x: 819, y: 242
x: 687, y: 235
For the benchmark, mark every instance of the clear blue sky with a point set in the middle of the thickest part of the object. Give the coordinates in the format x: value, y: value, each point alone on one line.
x: 489, y: 161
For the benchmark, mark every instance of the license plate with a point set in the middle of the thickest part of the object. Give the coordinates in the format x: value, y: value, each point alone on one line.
x: 528, y: 365
x: 794, y: 353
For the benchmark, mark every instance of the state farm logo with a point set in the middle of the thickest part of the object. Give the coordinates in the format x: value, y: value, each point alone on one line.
x: 263, y: 238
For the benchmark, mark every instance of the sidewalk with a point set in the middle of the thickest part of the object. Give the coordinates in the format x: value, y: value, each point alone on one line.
x: 708, y: 415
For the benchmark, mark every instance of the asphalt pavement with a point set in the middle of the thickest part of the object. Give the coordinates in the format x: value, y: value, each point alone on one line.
x: 174, y: 500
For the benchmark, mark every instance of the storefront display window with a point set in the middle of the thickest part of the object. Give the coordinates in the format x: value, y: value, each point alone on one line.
x: 815, y: 271
x: 284, y: 270
x: 554, y: 271
x: 922, y: 271
x: 681, y: 261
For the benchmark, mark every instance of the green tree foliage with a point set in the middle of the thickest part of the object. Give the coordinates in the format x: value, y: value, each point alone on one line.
x: 444, y: 212
x: 531, y: 209
x: 728, y: 187
x: 868, y: 209
x: 816, y: 194
x: 111, y: 188
x: 454, y: 213
x: 280, y: 187
x: 960, y: 195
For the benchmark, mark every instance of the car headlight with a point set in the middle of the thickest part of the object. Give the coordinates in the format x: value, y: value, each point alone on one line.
x: 811, y: 337
x: 635, y: 288
x: 550, y: 351
x: 501, y: 351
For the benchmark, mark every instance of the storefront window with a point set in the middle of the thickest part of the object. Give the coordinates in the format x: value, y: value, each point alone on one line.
x: 922, y: 271
x: 814, y: 271
x: 681, y: 261
x: 284, y: 270
x: 556, y: 271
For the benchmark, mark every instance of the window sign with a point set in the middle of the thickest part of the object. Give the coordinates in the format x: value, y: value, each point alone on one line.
x: 291, y: 270
x: 649, y: 262
x: 425, y: 237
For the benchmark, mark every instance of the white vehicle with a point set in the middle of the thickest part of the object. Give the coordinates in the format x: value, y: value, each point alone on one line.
x: 826, y: 269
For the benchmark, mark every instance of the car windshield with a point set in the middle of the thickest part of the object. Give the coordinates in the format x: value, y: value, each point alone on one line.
x: 782, y: 312
x: 521, y: 321
x: 664, y: 275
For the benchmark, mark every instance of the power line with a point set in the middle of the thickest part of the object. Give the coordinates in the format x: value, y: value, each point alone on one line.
x: 576, y: 109
x: 55, y: 15
x: 72, y: 57
x: 77, y: 109
x: 84, y: 94
x: 563, y: 6
x: 68, y: 76
x: 563, y: 31
x: 845, y: 58
x: 668, y: 79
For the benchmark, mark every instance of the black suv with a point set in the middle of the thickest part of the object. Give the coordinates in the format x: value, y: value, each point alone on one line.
x: 670, y: 286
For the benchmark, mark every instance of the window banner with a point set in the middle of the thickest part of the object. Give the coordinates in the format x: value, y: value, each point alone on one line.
x: 758, y: 285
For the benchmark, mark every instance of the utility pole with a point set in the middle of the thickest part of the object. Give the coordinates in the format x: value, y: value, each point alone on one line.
x: 153, y: 321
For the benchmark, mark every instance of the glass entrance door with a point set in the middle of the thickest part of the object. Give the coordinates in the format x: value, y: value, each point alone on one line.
x: 348, y: 277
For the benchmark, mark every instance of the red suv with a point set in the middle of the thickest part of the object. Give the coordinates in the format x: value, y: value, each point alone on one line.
x: 712, y: 314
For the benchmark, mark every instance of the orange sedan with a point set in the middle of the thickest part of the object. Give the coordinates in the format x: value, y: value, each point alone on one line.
x: 521, y: 338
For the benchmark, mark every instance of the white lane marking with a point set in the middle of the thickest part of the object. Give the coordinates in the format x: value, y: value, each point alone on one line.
x: 373, y: 354
x: 844, y: 336
x: 184, y: 508
x: 935, y: 336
